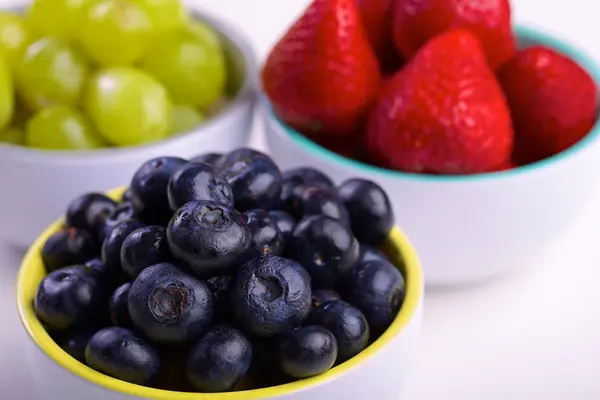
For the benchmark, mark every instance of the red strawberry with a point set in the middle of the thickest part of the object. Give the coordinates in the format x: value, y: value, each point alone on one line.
x: 443, y: 113
x: 377, y: 19
x: 322, y: 76
x: 554, y: 102
x: 417, y: 21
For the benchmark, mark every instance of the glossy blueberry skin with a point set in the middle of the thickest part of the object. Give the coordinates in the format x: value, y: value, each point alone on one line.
x: 270, y: 295
x: 69, y: 297
x: 322, y: 296
x: 370, y: 210
x: 75, y: 342
x: 301, y: 176
x: 111, y: 248
x: 368, y: 253
x: 117, y: 306
x: 266, y: 236
x: 207, y: 158
x: 376, y: 288
x: 308, y: 200
x: 219, y: 360
x: 149, y: 189
x: 347, y: 323
x: 89, y: 211
x: 286, y: 224
x: 219, y: 287
x: 126, y: 196
x: 197, y: 181
x: 120, y: 353
x: 144, y: 247
x: 68, y: 247
x: 96, y: 264
x: 307, y: 351
x: 170, y: 306
x: 254, y: 178
x: 208, y: 238
x: 123, y: 212
x: 325, y: 247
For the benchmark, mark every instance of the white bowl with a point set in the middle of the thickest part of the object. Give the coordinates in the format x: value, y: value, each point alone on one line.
x: 471, y: 228
x: 379, y: 372
x: 36, y: 185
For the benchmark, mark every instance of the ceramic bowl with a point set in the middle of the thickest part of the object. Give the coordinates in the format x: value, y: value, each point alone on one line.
x: 36, y: 184
x: 379, y: 371
x: 471, y: 228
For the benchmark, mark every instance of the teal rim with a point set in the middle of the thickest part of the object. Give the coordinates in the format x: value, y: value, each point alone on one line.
x: 526, y: 36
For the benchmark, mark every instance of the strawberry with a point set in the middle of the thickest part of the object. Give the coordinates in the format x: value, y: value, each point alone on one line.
x: 323, y: 76
x: 417, y: 21
x: 553, y: 101
x: 443, y: 113
x: 377, y: 19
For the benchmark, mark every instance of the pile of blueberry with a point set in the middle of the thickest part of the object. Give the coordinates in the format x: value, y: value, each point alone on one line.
x: 221, y: 273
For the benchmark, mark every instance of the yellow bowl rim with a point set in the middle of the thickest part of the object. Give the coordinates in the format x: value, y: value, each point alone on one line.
x: 26, y: 288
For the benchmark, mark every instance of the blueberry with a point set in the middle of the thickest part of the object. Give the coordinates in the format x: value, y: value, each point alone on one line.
x: 307, y: 200
x: 219, y: 287
x: 117, y: 306
x: 208, y: 238
x: 144, y: 247
x: 368, y: 253
x: 325, y: 247
x: 68, y: 247
x: 149, y: 189
x: 96, y: 264
x: 207, y: 158
x: 123, y: 212
x: 120, y: 353
x: 168, y: 305
x: 371, y: 213
x: 111, y: 249
x: 307, y: 351
x: 286, y: 224
x: 266, y: 236
x: 74, y: 343
x: 69, y: 297
x: 126, y: 196
x: 347, y: 323
x: 376, y: 288
x: 254, y: 178
x: 322, y: 296
x: 219, y: 360
x: 89, y: 211
x: 270, y: 295
x: 193, y: 181
x: 301, y: 176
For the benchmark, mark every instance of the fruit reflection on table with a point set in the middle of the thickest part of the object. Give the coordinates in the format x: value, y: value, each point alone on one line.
x: 221, y: 273
x: 83, y: 75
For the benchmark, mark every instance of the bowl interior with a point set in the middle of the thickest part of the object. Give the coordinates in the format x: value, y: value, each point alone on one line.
x: 32, y: 271
x: 526, y: 37
x: 241, y: 67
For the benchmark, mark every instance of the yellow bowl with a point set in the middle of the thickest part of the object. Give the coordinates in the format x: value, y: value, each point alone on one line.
x: 403, y: 331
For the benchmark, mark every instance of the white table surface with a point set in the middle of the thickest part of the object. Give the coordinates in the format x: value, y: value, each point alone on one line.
x: 534, y: 334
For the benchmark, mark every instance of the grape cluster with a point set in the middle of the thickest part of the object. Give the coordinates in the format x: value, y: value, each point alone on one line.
x: 87, y: 74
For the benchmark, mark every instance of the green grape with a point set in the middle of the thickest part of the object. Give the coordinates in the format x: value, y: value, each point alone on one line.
x: 205, y: 33
x: 15, y: 36
x: 116, y: 32
x: 13, y: 135
x: 7, y: 95
x: 166, y: 15
x: 51, y: 73
x: 185, y: 118
x: 194, y: 72
x: 62, y: 128
x: 128, y: 106
x: 57, y: 18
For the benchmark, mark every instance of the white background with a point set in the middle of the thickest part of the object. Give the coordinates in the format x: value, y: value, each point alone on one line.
x: 534, y: 334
